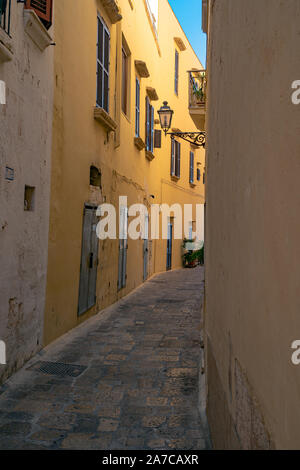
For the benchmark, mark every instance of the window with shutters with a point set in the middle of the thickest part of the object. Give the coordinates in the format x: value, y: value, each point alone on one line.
x: 192, y: 158
x: 176, y: 72
x: 175, y: 158
x: 103, y: 46
x: 149, y: 126
x: 137, y: 107
x: 203, y: 178
x: 198, y: 174
x: 43, y: 9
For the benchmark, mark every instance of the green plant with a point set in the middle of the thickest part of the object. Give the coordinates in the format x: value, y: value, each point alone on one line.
x: 199, y: 93
x: 199, y: 87
x: 190, y: 258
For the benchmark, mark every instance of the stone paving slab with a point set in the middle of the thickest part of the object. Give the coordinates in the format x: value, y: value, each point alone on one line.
x: 140, y: 388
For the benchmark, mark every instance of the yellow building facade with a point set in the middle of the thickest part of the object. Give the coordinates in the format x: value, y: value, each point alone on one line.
x: 115, y: 64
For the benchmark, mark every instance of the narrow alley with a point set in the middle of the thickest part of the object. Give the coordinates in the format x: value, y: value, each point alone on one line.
x: 133, y: 380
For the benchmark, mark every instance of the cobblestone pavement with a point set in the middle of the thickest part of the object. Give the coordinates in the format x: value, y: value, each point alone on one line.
x: 140, y: 386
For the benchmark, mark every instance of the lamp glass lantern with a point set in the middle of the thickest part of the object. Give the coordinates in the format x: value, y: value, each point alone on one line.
x: 165, y: 116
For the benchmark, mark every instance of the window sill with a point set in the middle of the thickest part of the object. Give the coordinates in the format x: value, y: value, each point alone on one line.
x: 180, y: 44
x: 149, y: 155
x: 152, y: 93
x: 104, y: 118
x: 175, y: 178
x: 112, y: 10
x: 142, y: 69
x: 36, y: 30
x: 193, y: 185
x: 139, y: 143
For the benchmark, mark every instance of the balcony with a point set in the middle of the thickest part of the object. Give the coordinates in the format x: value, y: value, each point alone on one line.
x: 5, y: 6
x: 197, y: 97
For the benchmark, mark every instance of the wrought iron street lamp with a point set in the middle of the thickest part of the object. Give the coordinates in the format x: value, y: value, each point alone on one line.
x: 165, y: 117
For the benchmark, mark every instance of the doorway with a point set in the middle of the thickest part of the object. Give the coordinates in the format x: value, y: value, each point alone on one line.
x: 89, y: 260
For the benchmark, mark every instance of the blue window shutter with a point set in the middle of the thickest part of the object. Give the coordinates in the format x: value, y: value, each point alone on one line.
x: 152, y: 129
x: 147, y: 137
x: 103, y: 50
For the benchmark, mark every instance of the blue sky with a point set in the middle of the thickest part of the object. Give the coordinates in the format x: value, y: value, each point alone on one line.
x: 189, y: 14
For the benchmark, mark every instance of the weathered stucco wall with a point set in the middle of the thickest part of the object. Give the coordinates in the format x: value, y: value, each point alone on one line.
x: 253, y: 228
x: 25, y: 147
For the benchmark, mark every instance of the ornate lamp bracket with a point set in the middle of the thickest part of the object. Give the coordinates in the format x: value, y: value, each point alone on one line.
x: 195, y: 138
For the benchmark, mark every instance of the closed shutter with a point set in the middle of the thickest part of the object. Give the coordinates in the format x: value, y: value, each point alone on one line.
x: 173, y: 157
x: 157, y: 139
x: 89, y: 261
x: 147, y: 124
x: 176, y: 71
x: 43, y: 9
x: 100, y: 46
x: 191, y: 167
x: 152, y: 129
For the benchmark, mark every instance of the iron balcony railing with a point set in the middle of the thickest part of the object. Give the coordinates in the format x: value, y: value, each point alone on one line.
x: 197, y: 88
x: 5, y: 9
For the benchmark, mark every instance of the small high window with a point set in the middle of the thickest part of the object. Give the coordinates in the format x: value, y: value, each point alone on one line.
x: 29, y: 196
